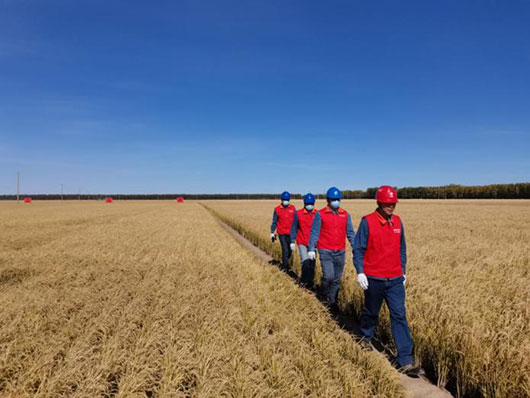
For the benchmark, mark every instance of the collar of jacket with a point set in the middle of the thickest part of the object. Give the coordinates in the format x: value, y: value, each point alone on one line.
x: 382, y: 219
x: 330, y: 210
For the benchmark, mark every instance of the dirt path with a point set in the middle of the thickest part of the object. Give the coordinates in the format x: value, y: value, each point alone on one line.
x: 418, y: 388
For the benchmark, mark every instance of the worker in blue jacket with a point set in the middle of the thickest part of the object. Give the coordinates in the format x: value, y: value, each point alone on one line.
x: 282, y: 219
x: 331, y: 226
x: 380, y: 259
x: 300, y: 231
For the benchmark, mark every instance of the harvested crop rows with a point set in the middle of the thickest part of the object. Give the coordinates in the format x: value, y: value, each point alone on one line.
x: 156, y: 299
x: 467, y: 293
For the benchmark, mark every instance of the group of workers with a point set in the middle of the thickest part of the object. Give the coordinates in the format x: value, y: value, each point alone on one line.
x: 379, y: 257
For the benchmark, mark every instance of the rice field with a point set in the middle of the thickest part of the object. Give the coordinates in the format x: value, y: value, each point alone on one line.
x: 156, y: 299
x: 468, y: 296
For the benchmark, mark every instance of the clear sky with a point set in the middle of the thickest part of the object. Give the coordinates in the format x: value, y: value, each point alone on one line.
x: 262, y: 96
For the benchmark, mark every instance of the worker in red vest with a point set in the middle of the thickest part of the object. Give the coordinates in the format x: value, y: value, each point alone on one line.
x: 331, y: 226
x: 300, y: 231
x: 380, y: 259
x: 282, y: 218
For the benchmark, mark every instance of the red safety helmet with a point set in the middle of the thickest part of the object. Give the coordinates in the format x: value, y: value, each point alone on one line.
x: 386, y: 194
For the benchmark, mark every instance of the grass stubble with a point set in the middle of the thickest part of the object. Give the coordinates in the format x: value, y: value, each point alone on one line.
x: 156, y: 299
x: 468, y: 296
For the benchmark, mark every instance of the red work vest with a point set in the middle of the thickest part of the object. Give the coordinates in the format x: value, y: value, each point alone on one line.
x: 332, y: 229
x: 382, y: 257
x: 285, y: 219
x: 305, y: 221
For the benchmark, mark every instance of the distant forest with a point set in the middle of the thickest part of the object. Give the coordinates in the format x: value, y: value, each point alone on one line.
x: 496, y: 191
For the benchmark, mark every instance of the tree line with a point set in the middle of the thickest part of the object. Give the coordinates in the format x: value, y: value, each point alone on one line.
x: 453, y: 191
x: 149, y: 196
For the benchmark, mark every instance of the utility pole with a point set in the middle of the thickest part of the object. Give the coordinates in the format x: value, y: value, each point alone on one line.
x: 18, y: 185
x: 62, y: 191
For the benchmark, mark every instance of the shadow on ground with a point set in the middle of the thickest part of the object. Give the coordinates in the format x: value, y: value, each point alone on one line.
x: 419, y: 388
x: 345, y: 320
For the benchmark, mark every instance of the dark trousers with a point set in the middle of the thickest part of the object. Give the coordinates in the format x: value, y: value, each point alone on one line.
x: 393, y: 292
x: 308, y: 268
x: 285, y: 242
x: 332, y: 262
x: 308, y: 273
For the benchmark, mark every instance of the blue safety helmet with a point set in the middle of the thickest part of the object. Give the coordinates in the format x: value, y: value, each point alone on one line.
x: 285, y: 196
x: 309, y: 199
x: 334, y: 193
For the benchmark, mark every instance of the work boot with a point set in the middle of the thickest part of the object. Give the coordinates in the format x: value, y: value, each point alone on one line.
x: 305, y: 285
x: 366, y: 345
x: 412, y: 370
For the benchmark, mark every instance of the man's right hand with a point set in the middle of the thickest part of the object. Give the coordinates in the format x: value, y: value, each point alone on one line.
x: 362, y: 280
x: 273, y: 238
x: 311, y: 255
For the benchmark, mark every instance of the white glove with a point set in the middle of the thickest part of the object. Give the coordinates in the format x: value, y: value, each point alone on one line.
x: 311, y: 255
x: 404, y: 279
x: 362, y: 280
x: 273, y: 237
x: 293, y: 246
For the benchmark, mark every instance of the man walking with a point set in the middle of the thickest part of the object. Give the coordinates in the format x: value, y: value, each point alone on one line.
x: 331, y: 226
x: 300, y: 231
x: 282, y: 218
x: 380, y: 258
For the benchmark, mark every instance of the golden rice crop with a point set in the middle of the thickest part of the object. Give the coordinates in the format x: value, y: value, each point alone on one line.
x: 468, y: 295
x: 156, y: 299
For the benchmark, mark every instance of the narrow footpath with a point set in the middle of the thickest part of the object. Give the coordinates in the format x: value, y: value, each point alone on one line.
x: 418, y: 388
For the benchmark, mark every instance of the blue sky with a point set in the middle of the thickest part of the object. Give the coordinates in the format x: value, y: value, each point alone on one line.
x: 262, y: 96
